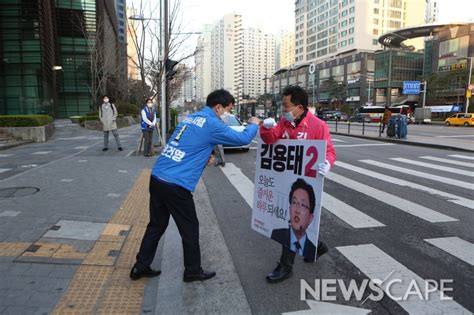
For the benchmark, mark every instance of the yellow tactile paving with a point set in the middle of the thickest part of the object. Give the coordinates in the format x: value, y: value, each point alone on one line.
x: 112, y: 291
x: 84, y: 291
x: 13, y: 249
x: 68, y: 252
x: 100, y: 254
x: 44, y: 250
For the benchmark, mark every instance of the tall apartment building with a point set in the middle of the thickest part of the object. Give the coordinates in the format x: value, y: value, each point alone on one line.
x: 203, y: 64
x: 285, y: 50
x: 227, y: 54
x: 258, y: 62
x: 325, y: 28
x: 132, y: 54
x: 432, y: 11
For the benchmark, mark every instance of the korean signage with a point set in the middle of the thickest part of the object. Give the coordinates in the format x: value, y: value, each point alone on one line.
x: 288, y: 193
x: 411, y: 87
x: 454, y: 66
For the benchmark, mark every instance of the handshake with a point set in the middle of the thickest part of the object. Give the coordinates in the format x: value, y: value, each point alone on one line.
x: 269, y: 123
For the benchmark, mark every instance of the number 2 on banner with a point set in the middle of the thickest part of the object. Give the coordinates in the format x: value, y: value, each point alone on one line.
x: 308, y: 170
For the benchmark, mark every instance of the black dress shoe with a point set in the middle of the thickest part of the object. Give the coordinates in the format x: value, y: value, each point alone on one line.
x: 279, y: 274
x: 322, y: 249
x: 136, y: 273
x: 104, y: 149
x: 201, y: 276
x: 120, y: 149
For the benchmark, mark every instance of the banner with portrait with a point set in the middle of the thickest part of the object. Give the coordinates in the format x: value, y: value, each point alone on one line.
x: 288, y: 193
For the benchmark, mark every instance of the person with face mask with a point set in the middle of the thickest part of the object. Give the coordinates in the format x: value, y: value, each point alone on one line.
x: 108, y: 117
x: 297, y: 123
x: 175, y: 176
x: 148, y: 123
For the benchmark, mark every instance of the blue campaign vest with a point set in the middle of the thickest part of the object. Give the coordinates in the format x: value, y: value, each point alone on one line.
x: 148, y: 113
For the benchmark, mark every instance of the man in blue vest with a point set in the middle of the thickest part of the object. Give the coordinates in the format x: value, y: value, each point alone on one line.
x: 175, y: 176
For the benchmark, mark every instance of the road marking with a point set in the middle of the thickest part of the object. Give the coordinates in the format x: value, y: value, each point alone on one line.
x: 29, y: 166
x: 122, y: 171
x: 409, y: 207
x: 376, y: 265
x: 337, y: 140
x: 81, y: 147
x: 318, y: 307
x: 42, y: 152
x: 66, y: 180
x: 392, y: 180
x: 437, y: 159
x: 349, y: 214
x: 43, y: 165
x: 435, y: 166
x: 441, y: 179
x: 462, y: 156
x: 113, y: 195
x: 362, y: 145
x: 3, y: 170
x: 130, y: 153
x: 457, y: 136
x: 82, y: 161
x: 455, y: 246
x: 254, y: 141
x: 241, y: 182
x: 9, y: 213
x: 5, y: 155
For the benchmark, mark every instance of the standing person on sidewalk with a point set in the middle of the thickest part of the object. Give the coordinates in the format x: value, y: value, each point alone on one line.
x: 175, y: 176
x: 297, y: 123
x: 386, y: 117
x: 148, y: 123
x: 108, y: 117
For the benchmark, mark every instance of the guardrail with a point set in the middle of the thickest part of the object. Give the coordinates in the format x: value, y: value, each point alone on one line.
x: 355, y: 127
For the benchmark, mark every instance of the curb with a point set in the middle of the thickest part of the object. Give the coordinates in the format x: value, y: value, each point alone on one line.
x: 397, y: 141
x: 14, y: 144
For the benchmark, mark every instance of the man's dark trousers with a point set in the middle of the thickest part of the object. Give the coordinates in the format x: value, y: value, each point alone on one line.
x: 287, y: 258
x: 168, y: 199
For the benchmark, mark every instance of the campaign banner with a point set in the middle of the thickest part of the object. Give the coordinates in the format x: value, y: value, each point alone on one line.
x: 288, y: 193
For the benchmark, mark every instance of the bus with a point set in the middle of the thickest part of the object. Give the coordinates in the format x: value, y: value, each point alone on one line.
x: 376, y: 112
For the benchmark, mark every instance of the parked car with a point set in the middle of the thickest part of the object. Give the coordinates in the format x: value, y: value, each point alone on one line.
x: 360, y: 118
x: 234, y: 123
x: 335, y: 115
x: 460, y: 119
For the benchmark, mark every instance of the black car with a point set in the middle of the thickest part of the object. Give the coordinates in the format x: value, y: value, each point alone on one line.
x: 360, y: 118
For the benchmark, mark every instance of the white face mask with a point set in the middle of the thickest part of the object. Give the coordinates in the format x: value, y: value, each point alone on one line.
x: 106, y: 100
x: 225, y: 115
x: 150, y: 105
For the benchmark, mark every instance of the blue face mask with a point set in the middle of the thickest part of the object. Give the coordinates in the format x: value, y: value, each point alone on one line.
x: 288, y: 116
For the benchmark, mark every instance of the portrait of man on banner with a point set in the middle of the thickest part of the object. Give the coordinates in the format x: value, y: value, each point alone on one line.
x: 288, y: 194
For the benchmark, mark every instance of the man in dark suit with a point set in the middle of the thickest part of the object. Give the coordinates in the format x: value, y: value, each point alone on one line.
x: 302, y: 202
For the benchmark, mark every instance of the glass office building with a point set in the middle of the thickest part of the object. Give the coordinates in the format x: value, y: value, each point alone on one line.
x: 46, y: 52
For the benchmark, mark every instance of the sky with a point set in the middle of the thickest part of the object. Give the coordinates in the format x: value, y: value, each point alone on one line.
x: 275, y: 15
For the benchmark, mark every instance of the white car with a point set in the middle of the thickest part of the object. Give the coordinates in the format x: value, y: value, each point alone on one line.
x: 234, y: 123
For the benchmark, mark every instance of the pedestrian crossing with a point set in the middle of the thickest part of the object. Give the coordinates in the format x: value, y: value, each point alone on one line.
x: 369, y: 179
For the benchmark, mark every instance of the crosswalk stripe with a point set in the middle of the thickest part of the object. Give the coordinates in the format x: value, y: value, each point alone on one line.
x: 362, y: 145
x: 455, y: 246
x: 337, y: 140
x: 42, y: 152
x: 377, y: 265
x: 437, y: 159
x: 449, y: 197
x: 462, y: 157
x: 394, y: 201
x: 349, y: 214
x: 241, y: 182
x: 441, y: 179
x: 3, y: 170
x: 435, y: 166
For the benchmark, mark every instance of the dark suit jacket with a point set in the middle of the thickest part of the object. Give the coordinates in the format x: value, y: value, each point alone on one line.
x: 283, y: 236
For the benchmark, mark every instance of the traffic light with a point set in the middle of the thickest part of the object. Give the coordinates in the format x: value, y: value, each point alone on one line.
x: 169, y: 65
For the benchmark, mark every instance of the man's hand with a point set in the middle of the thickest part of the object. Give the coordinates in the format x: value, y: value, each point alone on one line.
x: 323, y: 168
x: 269, y: 123
x: 211, y: 160
x: 254, y: 120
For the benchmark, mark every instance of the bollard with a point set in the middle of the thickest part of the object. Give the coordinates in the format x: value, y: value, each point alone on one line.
x: 336, y: 124
x: 348, y: 127
x: 363, y: 127
x: 380, y: 130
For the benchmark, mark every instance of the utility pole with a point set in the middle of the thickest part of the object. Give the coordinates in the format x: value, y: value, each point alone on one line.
x: 164, y: 55
x: 468, y: 83
x: 424, y: 93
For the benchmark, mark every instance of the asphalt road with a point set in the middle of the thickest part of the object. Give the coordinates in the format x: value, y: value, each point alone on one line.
x: 441, y: 192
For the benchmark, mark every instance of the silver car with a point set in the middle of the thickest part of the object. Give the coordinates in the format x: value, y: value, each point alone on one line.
x: 234, y: 123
